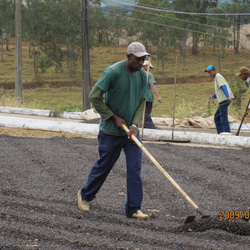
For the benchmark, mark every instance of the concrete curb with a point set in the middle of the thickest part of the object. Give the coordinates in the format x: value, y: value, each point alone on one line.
x: 202, y: 138
x: 57, y: 126
x: 148, y: 134
x: 78, y: 115
x: 41, y: 112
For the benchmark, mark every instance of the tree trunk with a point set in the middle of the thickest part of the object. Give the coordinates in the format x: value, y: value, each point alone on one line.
x: 214, y: 43
x: 204, y: 50
x: 234, y: 35
x: 1, y: 48
x: 70, y: 60
x: 195, y: 44
x: 238, y: 36
x: 158, y: 63
x: 29, y: 49
x: 184, y: 52
x: 7, y: 42
x: 162, y: 62
x: 34, y: 58
x: 219, y: 60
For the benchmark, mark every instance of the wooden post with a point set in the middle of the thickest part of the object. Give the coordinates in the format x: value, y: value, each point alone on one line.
x: 174, y: 97
x: 242, y: 120
x: 18, y: 79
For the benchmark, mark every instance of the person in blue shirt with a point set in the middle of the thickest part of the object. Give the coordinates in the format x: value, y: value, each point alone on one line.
x: 224, y: 96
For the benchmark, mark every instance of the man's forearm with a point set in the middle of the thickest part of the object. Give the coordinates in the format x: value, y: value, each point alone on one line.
x: 139, y: 112
x: 96, y: 98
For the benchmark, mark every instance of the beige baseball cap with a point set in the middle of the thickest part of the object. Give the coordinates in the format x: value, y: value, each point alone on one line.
x: 244, y: 70
x: 137, y: 49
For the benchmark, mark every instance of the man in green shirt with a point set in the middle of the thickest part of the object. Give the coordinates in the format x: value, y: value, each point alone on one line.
x: 124, y: 88
x: 224, y: 96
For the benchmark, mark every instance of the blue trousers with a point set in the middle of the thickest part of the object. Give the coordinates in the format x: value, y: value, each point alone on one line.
x: 221, y: 117
x: 109, y: 151
x: 148, y: 123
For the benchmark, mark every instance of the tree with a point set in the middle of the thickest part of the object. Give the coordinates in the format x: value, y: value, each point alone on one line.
x: 97, y: 22
x: 238, y: 6
x: 219, y: 34
x: 32, y: 26
x: 192, y: 22
x: 7, y: 24
x: 155, y: 29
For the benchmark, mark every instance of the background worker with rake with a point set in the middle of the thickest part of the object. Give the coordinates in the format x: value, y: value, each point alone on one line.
x: 244, y: 74
x: 148, y: 122
x: 124, y: 90
x: 224, y: 96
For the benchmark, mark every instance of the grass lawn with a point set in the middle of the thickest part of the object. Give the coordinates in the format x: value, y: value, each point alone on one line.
x: 191, y: 97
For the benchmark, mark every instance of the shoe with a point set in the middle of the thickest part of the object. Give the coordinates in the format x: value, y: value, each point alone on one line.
x: 140, y: 215
x: 82, y: 204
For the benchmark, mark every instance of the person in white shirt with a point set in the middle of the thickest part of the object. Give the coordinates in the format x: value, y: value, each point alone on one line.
x: 224, y: 96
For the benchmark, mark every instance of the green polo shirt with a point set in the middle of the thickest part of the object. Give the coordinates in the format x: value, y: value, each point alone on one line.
x: 150, y: 95
x: 123, y: 93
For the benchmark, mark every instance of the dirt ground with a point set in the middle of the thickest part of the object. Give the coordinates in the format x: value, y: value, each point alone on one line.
x: 40, y: 174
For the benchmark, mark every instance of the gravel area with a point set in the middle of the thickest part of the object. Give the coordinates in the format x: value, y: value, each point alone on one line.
x: 40, y: 174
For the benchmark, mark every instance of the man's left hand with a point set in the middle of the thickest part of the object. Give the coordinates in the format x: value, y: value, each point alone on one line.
x: 132, y: 131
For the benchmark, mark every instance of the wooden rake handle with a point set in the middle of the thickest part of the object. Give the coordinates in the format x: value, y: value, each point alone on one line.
x: 242, y: 120
x: 161, y: 169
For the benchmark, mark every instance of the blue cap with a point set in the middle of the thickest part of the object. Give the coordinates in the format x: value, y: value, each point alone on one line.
x: 210, y: 67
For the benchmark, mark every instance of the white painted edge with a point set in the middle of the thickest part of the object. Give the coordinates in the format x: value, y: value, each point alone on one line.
x: 41, y: 112
x: 59, y: 126
x: 79, y: 116
x: 149, y: 134
x: 202, y: 138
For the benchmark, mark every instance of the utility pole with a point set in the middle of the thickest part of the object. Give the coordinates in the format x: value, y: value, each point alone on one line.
x: 86, y: 79
x: 18, y: 80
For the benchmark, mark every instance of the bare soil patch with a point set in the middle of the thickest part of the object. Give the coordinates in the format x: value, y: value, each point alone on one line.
x: 41, y: 174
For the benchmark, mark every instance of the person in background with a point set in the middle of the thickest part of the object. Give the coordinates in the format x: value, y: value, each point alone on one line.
x: 224, y: 96
x: 124, y: 90
x: 148, y: 122
x: 244, y: 74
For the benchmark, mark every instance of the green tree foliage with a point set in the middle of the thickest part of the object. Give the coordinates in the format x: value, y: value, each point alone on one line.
x: 32, y: 29
x: 53, y: 28
x: 96, y: 25
x: 111, y: 25
x: 238, y: 6
x: 60, y: 36
x: 219, y: 37
x: 238, y: 88
x: 194, y: 23
x: 7, y: 22
x: 156, y: 29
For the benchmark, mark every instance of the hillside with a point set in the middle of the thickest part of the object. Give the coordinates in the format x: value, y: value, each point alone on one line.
x: 109, y: 3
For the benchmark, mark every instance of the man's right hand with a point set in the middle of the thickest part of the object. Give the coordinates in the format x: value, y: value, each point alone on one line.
x: 118, y: 121
x: 246, y: 112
